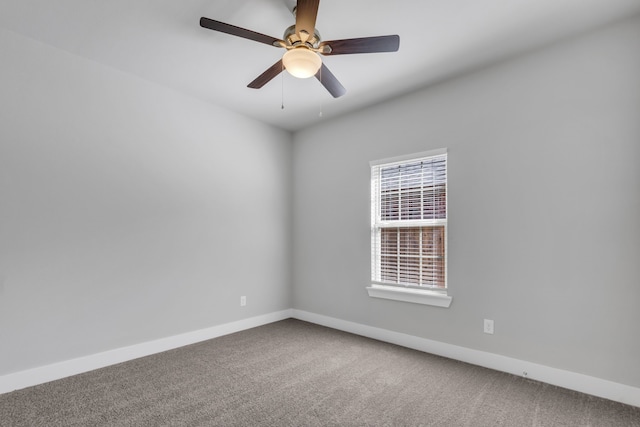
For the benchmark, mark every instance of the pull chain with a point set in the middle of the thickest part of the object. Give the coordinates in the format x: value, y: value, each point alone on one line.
x: 282, y: 87
x: 320, y: 115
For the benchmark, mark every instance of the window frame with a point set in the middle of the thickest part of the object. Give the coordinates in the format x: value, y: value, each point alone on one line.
x: 420, y: 294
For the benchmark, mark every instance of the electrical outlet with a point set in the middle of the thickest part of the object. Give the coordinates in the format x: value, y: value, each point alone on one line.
x: 243, y: 301
x: 488, y: 326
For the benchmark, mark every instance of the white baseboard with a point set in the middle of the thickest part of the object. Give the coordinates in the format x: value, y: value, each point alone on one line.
x: 583, y: 383
x: 579, y: 382
x: 43, y: 374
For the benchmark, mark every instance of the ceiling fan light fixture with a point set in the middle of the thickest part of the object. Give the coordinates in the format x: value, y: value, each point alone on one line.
x: 301, y: 62
x: 304, y: 47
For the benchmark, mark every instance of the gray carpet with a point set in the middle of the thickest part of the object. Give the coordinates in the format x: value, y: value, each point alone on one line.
x: 292, y: 373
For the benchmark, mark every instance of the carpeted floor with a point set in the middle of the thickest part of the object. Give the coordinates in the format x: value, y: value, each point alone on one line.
x: 293, y: 373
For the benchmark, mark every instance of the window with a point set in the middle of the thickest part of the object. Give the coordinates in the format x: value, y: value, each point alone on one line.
x: 409, y: 228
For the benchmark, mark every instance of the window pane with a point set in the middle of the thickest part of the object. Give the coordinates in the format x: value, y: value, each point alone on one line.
x: 413, y: 255
x: 433, y: 247
x: 435, y: 202
x: 410, y: 204
x: 414, y: 191
x: 390, y: 205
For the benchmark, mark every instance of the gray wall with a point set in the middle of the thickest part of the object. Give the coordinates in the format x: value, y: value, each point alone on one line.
x: 544, y: 203
x: 129, y: 212
x: 125, y: 208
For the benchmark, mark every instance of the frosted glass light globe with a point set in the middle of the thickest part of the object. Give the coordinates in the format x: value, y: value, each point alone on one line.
x: 301, y: 62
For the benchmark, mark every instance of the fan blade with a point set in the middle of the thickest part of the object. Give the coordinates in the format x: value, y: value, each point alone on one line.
x: 267, y: 76
x: 362, y: 45
x: 306, y: 13
x: 330, y: 82
x: 240, y: 32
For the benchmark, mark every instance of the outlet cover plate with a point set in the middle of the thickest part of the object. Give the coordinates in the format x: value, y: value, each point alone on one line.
x: 488, y: 326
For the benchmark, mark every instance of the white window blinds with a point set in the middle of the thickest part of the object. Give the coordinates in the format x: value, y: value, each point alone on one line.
x: 409, y: 221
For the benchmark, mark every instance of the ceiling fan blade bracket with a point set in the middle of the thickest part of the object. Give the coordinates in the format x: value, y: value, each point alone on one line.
x: 304, y: 36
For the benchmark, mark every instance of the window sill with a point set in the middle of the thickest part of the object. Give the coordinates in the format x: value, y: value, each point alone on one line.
x: 416, y: 296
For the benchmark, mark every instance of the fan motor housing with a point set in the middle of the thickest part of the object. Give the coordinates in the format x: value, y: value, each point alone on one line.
x: 293, y: 39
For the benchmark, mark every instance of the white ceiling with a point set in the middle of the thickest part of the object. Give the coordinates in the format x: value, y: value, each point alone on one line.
x: 161, y: 41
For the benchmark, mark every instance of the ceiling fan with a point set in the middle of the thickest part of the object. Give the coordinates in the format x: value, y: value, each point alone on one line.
x: 303, y: 44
